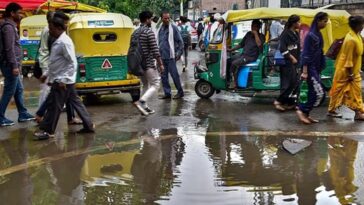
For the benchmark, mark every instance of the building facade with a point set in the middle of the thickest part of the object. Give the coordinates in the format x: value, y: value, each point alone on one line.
x: 221, y: 6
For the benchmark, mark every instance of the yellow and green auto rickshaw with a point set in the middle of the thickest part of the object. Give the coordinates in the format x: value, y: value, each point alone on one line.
x: 257, y: 76
x: 101, y: 43
x: 30, y: 30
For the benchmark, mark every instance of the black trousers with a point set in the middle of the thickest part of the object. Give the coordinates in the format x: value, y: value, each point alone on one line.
x: 55, y: 102
x: 289, y: 80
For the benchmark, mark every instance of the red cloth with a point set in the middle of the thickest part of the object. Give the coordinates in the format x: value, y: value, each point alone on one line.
x: 26, y: 4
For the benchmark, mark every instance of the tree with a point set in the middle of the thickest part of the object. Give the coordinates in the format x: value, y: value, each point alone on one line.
x: 132, y: 8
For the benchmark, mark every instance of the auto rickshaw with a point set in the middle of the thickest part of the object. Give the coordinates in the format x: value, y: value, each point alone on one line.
x: 30, y: 30
x: 256, y: 76
x: 101, y: 43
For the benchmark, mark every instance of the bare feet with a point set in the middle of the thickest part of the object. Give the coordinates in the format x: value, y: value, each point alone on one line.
x: 359, y: 116
x: 279, y: 106
x: 313, y: 120
x: 303, y: 118
x: 334, y: 114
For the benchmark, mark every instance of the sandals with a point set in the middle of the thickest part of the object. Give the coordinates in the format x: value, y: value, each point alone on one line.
x: 75, y: 121
x: 278, y: 106
x: 334, y: 114
x: 359, y: 117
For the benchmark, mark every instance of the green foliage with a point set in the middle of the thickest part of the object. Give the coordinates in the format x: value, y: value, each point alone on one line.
x: 132, y: 8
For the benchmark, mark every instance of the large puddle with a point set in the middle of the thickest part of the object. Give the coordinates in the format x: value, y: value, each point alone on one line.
x: 193, y: 165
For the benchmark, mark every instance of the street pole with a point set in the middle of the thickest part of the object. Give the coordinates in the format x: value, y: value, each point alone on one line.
x: 181, y: 1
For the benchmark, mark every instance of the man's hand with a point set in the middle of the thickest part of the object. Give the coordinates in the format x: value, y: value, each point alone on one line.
x: 178, y: 57
x: 42, y: 79
x: 161, y: 69
x: 62, y: 86
x: 254, y: 32
x: 304, y: 76
x: 294, y: 60
x: 16, y: 71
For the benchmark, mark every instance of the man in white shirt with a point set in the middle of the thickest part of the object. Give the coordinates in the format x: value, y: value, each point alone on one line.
x: 62, y: 78
x: 276, y: 28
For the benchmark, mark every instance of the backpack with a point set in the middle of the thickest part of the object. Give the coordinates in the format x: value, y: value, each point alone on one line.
x: 2, y: 52
x: 200, y: 28
x: 136, y: 62
x: 335, y: 48
x: 186, y: 36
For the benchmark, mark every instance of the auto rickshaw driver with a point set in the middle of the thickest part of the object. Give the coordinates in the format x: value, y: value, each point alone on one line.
x: 252, y: 45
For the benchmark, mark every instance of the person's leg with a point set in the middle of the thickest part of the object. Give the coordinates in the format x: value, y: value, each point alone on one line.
x: 76, y: 103
x: 236, y: 64
x: 10, y: 83
x: 44, y: 91
x: 165, y: 80
x: 55, y: 103
x: 19, y: 98
x: 153, y: 79
x: 286, y: 75
x: 70, y: 112
x: 145, y: 83
x: 185, y: 54
x: 175, y: 76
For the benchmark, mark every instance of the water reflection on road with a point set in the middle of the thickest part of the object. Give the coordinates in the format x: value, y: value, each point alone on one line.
x: 184, y: 165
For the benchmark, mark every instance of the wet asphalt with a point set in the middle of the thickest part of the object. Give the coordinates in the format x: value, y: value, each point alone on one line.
x: 225, y: 150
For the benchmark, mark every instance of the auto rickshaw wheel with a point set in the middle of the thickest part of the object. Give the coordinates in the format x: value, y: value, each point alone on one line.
x: 204, y: 89
x: 135, y: 95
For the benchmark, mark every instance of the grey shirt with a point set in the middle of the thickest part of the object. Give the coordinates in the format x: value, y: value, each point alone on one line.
x: 250, y: 47
x: 62, y: 61
x: 164, y: 47
x: 12, y: 49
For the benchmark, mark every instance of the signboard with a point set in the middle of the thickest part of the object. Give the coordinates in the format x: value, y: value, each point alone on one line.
x: 106, y: 64
x: 100, y: 23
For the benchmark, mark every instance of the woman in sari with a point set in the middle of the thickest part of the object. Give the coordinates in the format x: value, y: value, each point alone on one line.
x: 346, y: 89
x: 313, y: 61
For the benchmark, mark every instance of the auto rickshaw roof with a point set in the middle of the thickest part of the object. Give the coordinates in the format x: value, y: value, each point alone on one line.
x: 281, y: 13
x: 36, y: 20
x: 99, y: 20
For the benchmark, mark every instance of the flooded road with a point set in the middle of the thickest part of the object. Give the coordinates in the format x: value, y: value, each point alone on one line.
x: 226, y: 150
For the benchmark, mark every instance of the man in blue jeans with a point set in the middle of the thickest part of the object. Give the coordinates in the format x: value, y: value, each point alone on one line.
x: 171, y: 49
x: 11, y: 65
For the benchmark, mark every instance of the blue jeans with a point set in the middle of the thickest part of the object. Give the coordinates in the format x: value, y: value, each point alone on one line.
x: 171, y: 67
x: 12, y: 87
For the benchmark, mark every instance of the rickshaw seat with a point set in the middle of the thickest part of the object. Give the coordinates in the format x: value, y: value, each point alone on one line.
x: 253, y: 65
x: 243, y: 74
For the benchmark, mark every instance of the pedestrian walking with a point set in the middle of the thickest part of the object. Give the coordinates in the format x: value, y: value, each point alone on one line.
x: 346, y: 89
x: 276, y: 29
x: 150, y: 54
x: 313, y: 61
x: 62, y: 77
x: 46, y: 42
x: 185, y: 31
x: 289, y: 45
x: 171, y: 49
x: 11, y: 66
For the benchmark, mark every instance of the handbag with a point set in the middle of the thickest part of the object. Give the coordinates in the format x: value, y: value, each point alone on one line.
x: 279, y: 59
x: 334, y: 49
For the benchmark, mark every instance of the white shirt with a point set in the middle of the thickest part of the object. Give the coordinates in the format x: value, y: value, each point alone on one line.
x: 276, y: 29
x: 63, y: 61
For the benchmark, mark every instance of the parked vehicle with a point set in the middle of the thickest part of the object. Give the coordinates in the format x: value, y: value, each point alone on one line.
x: 255, y: 76
x: 102, y: 42
x: 30, y: 30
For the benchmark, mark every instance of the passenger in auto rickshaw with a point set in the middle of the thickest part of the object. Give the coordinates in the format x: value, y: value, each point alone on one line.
x: 252, y: 45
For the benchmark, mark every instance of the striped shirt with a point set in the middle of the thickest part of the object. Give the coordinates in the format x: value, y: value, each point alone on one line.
x: 149, y: 47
